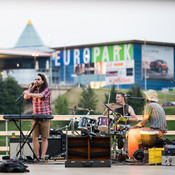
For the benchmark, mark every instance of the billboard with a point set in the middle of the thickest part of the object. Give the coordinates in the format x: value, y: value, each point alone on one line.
x: 157, y: 63
x: 120, y: 72
x: 93, y: 55
x: 114, y: 61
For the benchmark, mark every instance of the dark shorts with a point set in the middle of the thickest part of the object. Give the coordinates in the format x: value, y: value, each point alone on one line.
x: 42, y: 128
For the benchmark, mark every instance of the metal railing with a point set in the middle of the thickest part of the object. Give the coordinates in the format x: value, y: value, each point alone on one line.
x: 8, y: 133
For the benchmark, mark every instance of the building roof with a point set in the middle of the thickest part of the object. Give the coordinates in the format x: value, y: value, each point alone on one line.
x: 29, y: 37
x: 29, y: 43
x: 116, y: 43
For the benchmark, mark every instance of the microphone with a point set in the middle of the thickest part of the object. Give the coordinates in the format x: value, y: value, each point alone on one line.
x: 31, y: 84
x: 19, y: 97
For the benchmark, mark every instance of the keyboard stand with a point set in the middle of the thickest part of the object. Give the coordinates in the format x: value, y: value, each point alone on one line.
x: 26, y: 138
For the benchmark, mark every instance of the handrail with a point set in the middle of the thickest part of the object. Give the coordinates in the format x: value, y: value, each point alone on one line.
x: 67, y: 118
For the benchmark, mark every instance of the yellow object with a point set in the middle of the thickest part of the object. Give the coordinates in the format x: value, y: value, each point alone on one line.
x: 139, y: 125
x: 29, y: 23
x: 13, y: 134
x: 155, y: 155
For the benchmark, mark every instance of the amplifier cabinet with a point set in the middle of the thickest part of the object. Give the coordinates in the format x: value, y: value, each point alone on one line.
x: 15, y: 147
x: 56, y: 146
x: 88, y: 149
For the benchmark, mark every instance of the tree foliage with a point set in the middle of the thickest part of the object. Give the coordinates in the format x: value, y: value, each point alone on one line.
x: 9, y: 92
x: 112, y: 95
x: 61, y: 105
x: 88, y: 100
x: 136, y: 103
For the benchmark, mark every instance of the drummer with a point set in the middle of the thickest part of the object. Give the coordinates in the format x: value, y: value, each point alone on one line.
x: 155, y: 114
x: 123, y: 108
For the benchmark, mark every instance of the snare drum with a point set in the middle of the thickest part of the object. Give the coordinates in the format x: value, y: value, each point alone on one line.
x: 82, y: 125
x: 103, y: 123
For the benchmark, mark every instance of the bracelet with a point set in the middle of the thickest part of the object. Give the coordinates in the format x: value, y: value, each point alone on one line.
x: 139, y: 125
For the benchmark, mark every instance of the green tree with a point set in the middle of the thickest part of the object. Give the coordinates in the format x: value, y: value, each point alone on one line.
x: 136, y: 103
x: 9, y: 92
x: 61, y: 104
x: 88, y: 100
x: 112, y: 95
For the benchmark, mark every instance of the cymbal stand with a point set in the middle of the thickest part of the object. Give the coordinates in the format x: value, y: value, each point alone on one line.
x: 114, y: 139
x: 72, y: 121
x: 115, y: 134
x: 108, y: 123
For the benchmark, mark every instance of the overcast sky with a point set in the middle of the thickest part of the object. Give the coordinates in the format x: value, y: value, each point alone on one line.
x: 72, y: 22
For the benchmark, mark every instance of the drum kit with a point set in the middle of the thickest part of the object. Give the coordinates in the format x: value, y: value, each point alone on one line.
x: 115, y: 126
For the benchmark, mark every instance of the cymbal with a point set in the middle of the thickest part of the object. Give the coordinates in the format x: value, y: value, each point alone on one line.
x: 113, y: 106
x: 75, y: 108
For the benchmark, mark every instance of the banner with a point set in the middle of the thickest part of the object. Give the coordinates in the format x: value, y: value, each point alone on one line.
x: 93, y: 55
x: 120, y: 72
x: 157, y: 63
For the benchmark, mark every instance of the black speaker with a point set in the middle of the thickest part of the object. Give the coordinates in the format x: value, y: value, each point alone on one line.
x: 56, y: 145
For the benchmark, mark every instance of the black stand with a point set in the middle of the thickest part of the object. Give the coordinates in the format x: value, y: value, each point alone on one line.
x: 20, y: 101
x: 21, y: 133
x: 109, y: 109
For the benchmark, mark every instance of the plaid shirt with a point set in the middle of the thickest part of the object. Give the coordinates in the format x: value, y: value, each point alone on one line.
x: 42, y: 105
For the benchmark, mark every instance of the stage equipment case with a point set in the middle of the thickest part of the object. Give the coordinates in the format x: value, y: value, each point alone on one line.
x: 88, y: 151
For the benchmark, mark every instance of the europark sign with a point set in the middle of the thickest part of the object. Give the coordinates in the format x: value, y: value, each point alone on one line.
x: 93, y: 55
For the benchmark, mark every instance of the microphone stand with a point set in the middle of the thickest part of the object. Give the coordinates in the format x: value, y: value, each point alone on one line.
x: 20, y: 100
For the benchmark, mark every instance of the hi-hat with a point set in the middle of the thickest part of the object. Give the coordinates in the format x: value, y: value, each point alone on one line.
x: 76, y: 108
x: 113, y: 106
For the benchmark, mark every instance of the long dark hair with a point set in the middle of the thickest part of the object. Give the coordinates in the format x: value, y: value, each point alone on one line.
x: 45, y: 84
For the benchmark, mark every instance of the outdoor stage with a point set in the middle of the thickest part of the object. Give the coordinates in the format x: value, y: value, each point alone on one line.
x: 58, y: 167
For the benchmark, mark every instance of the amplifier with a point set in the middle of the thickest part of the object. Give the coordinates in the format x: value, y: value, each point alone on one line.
x: 15, y: 147
x: 56, y: 146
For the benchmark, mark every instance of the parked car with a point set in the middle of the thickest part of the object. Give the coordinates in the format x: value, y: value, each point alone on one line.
x: 172, y: 103
x: 159, y: 66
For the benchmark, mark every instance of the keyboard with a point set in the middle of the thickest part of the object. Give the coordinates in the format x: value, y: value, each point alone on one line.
x: 27, y: 116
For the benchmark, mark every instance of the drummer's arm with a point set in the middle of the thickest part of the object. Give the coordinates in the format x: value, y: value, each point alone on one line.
x: 105, y: 113
x: 141, y: 123
x: 133, y: 118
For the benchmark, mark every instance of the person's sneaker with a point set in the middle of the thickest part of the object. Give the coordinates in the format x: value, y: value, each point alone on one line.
x: 132, y: 159
x: 42, y: 160
x: 36, y: 160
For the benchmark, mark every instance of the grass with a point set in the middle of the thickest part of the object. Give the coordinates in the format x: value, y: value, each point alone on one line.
x: 74, y: 94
